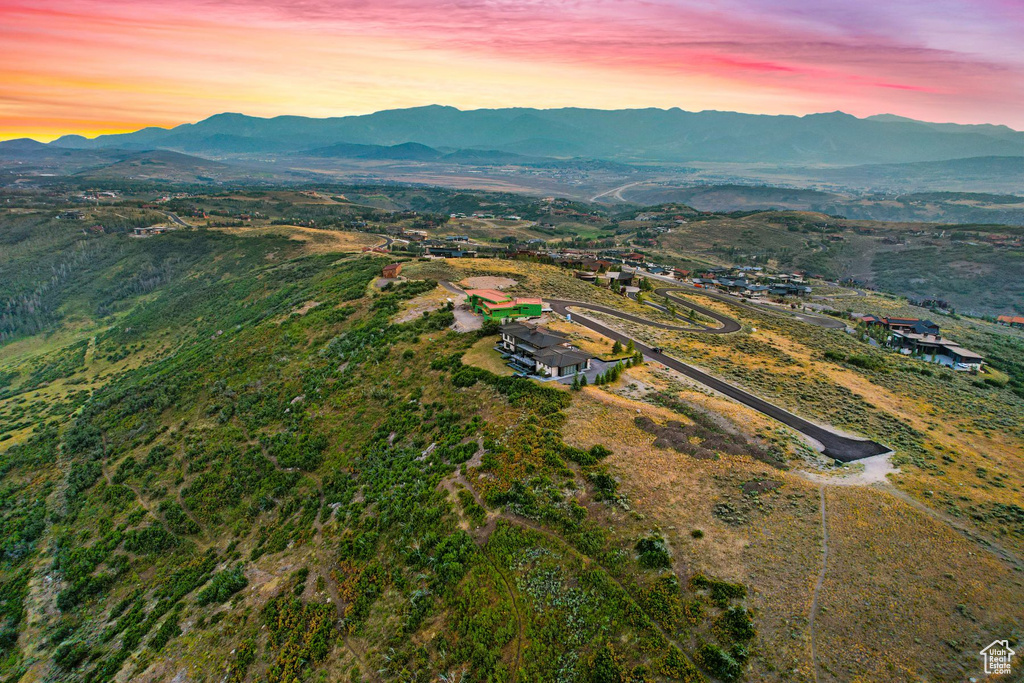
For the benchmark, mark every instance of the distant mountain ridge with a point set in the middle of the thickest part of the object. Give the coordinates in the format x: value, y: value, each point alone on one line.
x: 629, y: 135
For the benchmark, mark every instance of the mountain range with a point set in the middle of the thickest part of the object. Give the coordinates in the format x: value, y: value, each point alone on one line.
x: 516, y: 135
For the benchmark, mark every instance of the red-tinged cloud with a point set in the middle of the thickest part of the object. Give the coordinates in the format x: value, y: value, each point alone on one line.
x: 93, y: 66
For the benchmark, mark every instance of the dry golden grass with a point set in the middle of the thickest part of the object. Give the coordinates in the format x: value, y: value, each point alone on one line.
x: 312, y: 241
x: 483, y: 355
x: 775, y: 556
x: 583, y: 338
x: 895, y: 575
x: 894, y: 605
x: 949, y: 427
x: 487, y: 282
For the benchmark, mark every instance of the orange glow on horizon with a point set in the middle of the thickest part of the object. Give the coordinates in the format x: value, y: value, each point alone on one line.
x: 93, y: 67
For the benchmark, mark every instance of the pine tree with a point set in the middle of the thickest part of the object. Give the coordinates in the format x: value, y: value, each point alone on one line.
x: 576, y: 383
x: 631, y: 347
x: 583, y: 380
x: 616, y: 348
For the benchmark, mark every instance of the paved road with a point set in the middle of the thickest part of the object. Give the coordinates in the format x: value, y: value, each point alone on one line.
x: 615, y: 191
x: 842, y: 448
x: 728, y: 325
x: 819, y: 320
x: 174, y: 218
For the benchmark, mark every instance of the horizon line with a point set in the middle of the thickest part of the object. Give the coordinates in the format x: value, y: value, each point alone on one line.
x: 477, y: 109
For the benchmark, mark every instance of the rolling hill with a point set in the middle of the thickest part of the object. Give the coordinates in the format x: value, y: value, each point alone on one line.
x: 646, y: 135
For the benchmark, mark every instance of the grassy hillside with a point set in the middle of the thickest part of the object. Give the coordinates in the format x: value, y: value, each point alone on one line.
x: 225, y: 481
x: 222, y: 457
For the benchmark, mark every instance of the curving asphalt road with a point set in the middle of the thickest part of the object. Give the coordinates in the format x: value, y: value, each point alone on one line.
x: 818, y: 320
x: 728, y: 325
x: 837, y: 446
x: 176, y: 219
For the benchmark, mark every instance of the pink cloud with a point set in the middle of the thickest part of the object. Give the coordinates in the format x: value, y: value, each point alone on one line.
x: 938, y: 59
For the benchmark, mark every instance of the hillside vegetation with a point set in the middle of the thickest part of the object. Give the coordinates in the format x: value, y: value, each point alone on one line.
x: 217, y: 479
x: 232, y: 452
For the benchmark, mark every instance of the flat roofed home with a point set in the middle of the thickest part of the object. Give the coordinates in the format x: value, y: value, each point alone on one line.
x: 495, y: 305
x: 540, y: 351
x: 451, y: 252
x: 910, y: 325
x: 934, y: 349
x: 622, y: 277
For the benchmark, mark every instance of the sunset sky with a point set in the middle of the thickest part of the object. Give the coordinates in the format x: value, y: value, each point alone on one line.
x: 98, y: 66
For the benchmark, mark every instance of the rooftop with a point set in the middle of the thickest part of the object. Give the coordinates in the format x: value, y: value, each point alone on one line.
x: 489, y: 294
x: 560, y: 356
x: 538, y: 337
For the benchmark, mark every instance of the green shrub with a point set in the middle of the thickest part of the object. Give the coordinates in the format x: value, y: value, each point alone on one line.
x: 720, y: 663
x: 69, y: 653
x: 735, y: 625
x: 721, y: 591
x: 151, y: 539
x: 653, y: 552
x: 223, y: 585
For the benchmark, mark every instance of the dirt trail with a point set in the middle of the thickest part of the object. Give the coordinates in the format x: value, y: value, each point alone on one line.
x: 818, y: 584
x: 520, y: 624
x: 965, y: 530
x: 480, y: 535
x: 323, y: 566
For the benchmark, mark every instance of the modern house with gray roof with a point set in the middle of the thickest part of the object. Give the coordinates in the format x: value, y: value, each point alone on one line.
x: 540, y: 351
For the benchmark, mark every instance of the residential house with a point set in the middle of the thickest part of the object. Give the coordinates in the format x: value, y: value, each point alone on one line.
x: 624, y: 278
x: 911, y: 325
x: 151, y: 230
x: 540, y: 351
x: 915, y: 325
x: 735, y: 286
x: 450, y: 252
x: 495, y: 305
x: 391, y: 270
x: 934, y: 349
x: 1011, y: 320
x: 756, y: 291
x: 788, y: 289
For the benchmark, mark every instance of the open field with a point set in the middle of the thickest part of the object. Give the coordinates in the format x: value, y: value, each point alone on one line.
x: 772, y: 543
x: 313, y: 241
